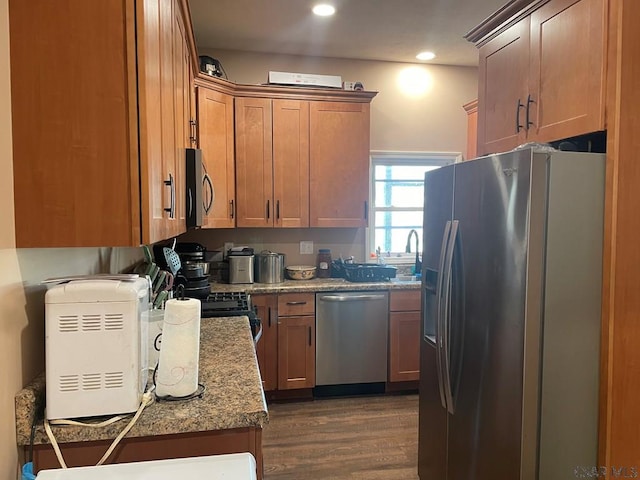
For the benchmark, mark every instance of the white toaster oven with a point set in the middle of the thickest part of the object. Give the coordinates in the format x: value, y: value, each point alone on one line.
x: 96, y: 347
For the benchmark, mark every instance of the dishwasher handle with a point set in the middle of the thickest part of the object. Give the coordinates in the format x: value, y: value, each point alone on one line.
x: 351, y: 298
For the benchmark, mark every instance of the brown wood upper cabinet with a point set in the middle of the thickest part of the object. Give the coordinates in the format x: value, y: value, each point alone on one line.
x: 542, y: 78
x: 272, y: 162
x: 339, y: 164
x: 98, y: 141
x: 215, y: 137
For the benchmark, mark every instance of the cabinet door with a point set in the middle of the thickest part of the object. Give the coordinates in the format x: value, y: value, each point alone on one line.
x: 75, y: 155
x: 567, y: 69
x: 168, y: 118
x: 152, y: 171
x: 339, y: 164
x: 181, y: 66
x: 296, y: 304
x: 502, y: 90
x: 267, y: 347
x: 215, y: 139
x: 291, y: 163
x: 254, y: 165
x: 296, y: 352
x: 404, y: 346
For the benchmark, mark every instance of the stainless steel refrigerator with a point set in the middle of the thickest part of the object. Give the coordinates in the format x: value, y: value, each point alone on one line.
x: 511, y: 292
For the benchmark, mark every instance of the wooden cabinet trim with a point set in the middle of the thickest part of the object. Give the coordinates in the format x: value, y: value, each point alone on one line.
x: 501, y: 20
x: 283, y: 92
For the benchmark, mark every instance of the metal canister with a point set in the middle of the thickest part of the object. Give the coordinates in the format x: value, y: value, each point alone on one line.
x: 269, y: 267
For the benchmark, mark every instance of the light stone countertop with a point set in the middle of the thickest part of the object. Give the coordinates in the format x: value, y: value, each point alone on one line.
x: 233, y: 398
x: 314, y: 285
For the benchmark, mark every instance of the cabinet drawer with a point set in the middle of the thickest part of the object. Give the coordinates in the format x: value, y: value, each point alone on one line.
x: 404, y: 300
x: 296, y: 304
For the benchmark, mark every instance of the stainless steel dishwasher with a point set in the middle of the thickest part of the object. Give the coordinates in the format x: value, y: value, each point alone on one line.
x: 351, y: 337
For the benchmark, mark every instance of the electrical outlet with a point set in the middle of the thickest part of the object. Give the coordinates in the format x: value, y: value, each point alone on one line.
x: 306, y: 247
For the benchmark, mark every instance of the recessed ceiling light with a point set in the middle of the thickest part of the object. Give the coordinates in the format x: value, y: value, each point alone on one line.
x: 324, y: 9
x: 426, y: 56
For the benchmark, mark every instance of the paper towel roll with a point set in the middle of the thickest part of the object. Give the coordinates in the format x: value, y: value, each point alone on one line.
x: 178, y: 365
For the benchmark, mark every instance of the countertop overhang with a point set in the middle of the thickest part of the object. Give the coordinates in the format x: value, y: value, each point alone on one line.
x: 233, y: 398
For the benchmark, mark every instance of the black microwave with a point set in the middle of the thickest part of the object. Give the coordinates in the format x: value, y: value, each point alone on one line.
x: 199, y: 189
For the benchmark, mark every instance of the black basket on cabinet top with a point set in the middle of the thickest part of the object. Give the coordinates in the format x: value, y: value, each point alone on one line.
x: 363, y: 272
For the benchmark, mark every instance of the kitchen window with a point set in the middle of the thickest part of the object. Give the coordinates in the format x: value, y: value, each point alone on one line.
x: 396, y: 198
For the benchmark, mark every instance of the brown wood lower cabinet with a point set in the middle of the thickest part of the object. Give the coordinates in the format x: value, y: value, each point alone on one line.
x: 267, y: 347
x: 296, y: 341
x: 159, y: 447
x: 404, y: 335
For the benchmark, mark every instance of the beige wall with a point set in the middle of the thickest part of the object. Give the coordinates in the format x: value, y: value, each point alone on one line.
x: 433, y: 120
x: 21, y: 270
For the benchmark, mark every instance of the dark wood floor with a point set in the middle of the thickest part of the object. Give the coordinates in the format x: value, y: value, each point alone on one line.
x: 373, y: 438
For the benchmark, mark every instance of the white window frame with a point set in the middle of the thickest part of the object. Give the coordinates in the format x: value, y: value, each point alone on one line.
x: 382, y: 157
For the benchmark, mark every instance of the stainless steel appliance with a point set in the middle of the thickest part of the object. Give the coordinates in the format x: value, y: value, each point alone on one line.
x: 269, y: 267
x: 351, y: 337
x: 512, y: 269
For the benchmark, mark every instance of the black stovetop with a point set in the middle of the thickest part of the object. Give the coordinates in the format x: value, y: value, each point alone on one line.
x: 231, y: 304
x: 226, y: 304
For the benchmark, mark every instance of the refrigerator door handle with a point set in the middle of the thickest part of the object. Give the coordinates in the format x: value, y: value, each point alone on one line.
x: 446, y: 353
x: 439, y: 324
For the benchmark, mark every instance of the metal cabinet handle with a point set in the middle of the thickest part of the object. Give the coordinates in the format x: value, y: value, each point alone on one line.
x: 269, y: 316
x: 172, y: 203
x: 277, y: 209
x: 268, y: 209
x: 232, y: 208
x: 192, y: 126
x: 296, y: 303
x: 518, y: 107
x: 529, y: 102
x: 309, y: 336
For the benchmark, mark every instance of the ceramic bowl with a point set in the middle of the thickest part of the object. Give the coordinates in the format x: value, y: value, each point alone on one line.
x: 301, y: 272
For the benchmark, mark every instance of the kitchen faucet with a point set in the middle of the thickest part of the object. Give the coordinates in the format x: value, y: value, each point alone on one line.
x: 418, y: 265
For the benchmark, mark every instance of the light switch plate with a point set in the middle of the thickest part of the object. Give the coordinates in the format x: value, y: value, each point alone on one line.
x: 306, y: 247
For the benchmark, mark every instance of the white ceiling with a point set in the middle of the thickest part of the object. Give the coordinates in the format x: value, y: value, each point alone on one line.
x: 388, y: 30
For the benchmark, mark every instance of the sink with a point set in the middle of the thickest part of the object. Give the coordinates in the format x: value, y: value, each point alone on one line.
x: 405, y: 279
